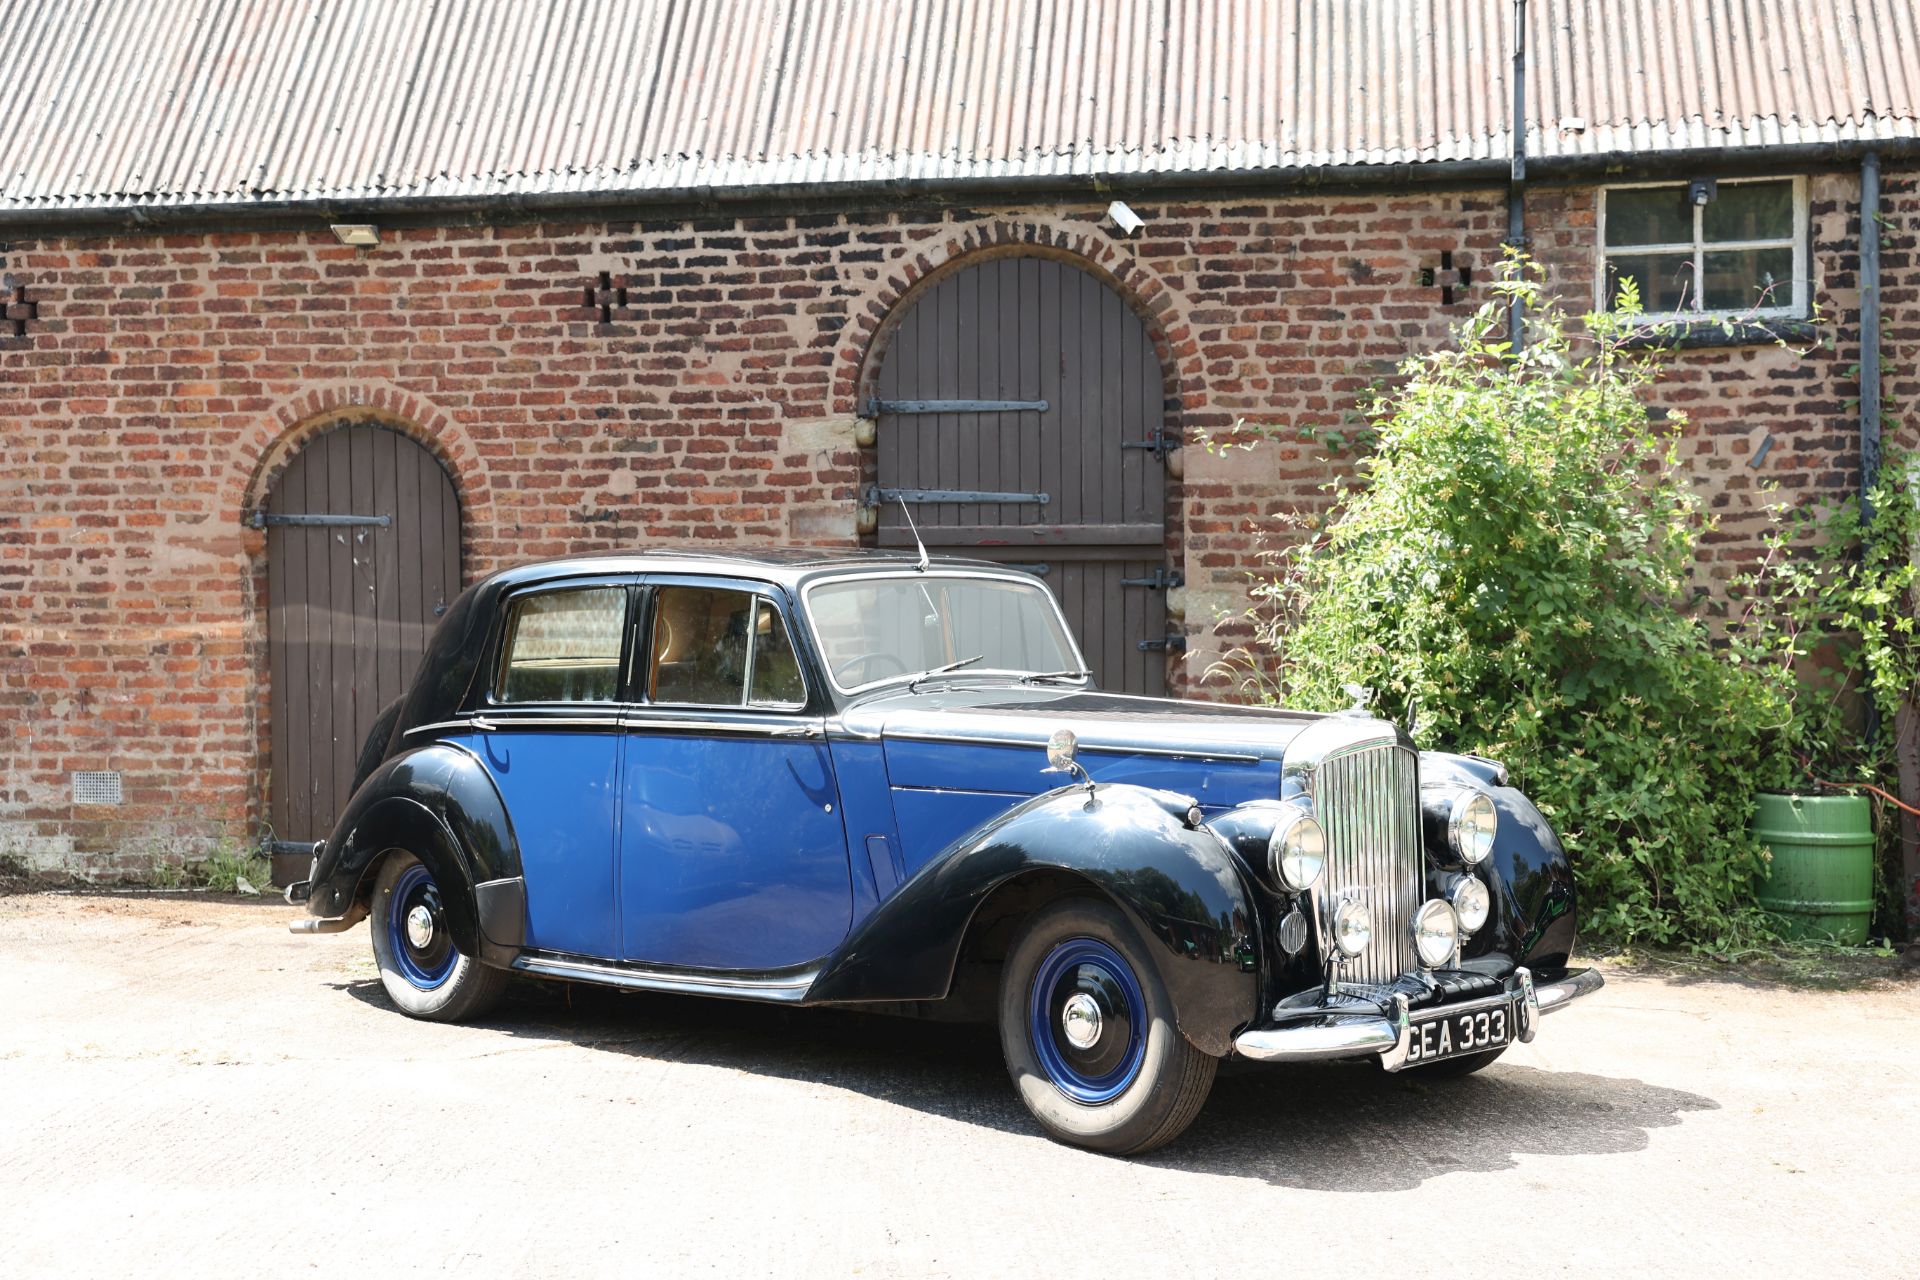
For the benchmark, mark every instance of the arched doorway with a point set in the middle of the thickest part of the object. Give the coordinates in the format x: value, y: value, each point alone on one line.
x: 363, y: 555
x: 1021, y: 416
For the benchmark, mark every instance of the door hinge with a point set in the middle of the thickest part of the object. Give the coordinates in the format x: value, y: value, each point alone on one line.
x: 877, y: 496
x: 1159, y: 442
x: 1162, y: 579
x: 876, y: 408
x: 263, y: 519
x: 1169, y: 644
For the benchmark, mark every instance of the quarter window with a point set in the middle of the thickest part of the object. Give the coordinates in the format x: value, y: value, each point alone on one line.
x: 1741, y: 253
x: 564, y: 646
x: 718, y: 648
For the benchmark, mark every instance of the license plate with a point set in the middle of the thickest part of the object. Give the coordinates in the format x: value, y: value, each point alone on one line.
x: 1450, y: 1035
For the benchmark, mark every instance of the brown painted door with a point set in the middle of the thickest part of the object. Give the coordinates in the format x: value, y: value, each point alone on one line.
x: 349, y: 607
x: 1009, y: 397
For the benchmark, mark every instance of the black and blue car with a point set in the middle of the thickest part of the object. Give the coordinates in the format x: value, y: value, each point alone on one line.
x: 863, y: 779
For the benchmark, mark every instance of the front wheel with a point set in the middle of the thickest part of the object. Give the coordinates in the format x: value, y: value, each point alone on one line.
x: 1089, y: 1035
x: 423, y: 972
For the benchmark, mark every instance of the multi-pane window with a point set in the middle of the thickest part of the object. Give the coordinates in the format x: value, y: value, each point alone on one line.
x: 564, y: 646
x: 720, y: 648
x: 1741, y: 253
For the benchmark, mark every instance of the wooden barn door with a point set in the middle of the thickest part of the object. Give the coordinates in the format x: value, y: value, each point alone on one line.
x: 1020, y: 409
x: 363, y: 555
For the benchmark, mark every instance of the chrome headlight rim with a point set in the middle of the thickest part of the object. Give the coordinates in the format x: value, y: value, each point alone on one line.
x: 1473, y: 916
x: 1352, y: 927
x: 1473, y: 822
x: 1433, y: 913
x: 1297, y: 850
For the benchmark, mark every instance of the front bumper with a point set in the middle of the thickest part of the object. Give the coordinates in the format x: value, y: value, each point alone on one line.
x: 1318, y: 1034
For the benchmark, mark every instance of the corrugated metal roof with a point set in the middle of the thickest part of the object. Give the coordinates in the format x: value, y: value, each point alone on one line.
x: 129, y: 103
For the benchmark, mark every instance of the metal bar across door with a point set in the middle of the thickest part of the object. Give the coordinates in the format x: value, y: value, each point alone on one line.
x: 877, y: 407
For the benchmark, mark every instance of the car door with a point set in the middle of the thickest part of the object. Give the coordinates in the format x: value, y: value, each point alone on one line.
x: 732, y: 850
x: 549, y: 734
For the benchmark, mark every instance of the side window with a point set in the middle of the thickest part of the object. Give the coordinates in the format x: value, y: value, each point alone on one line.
x: 564, y: 646
x: 711, y: 647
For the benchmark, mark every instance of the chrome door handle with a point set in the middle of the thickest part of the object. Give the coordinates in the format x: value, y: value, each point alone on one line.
x: 482, y: 723
x: 800, y: 731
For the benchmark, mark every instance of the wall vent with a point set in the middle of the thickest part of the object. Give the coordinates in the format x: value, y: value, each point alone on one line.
x: 96, y: 786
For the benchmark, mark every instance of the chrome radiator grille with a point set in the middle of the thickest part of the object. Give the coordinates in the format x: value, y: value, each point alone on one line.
x: 1368, y: 800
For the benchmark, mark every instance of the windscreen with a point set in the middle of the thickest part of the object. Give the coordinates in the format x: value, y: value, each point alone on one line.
x: 876, y: 629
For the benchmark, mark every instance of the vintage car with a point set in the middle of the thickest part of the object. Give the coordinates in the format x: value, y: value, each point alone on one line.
x: 870, y: 780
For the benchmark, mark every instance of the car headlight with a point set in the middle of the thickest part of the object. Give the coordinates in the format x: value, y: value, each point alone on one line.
x: 1470, y: 902
x: 1352, y: 927
x: 1435, y: 932
x: 1471, y: 826
x: 1297, y: 851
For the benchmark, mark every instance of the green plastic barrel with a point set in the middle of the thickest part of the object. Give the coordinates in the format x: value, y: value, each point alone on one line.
x: 1820, y: 883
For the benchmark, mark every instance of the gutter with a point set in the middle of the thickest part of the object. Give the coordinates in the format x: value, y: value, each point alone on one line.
x: 636, y: 202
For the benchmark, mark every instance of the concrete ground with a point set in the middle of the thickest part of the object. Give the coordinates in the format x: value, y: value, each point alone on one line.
x: 186, y: 1089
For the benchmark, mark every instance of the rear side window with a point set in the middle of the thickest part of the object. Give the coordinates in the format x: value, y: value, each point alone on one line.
x: 718, y: 648
x: 564, y: 646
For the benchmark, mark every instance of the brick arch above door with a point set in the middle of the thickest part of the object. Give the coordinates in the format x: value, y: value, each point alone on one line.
x: 871, y: 326
x: 1021, y: 415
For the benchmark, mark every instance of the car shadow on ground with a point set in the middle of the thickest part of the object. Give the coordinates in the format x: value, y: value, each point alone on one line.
x: 1338, y: 1127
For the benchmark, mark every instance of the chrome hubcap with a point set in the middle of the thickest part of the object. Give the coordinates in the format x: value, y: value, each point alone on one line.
x: 1080, y: 1020
x: 419, y: 927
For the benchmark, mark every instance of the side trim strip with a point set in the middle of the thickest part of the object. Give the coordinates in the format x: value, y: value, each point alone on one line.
x: 1040, y: 744
x: 786, y: 987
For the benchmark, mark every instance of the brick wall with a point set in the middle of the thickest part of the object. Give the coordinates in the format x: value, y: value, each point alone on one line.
x: 167, y: 380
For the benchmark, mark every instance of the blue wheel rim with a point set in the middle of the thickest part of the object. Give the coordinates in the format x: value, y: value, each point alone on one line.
x: 1101, y: 1071
x: 428, y: 967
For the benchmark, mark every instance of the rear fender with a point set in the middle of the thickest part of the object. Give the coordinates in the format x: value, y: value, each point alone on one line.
x: 1179, y: 886
x: 438, y: 804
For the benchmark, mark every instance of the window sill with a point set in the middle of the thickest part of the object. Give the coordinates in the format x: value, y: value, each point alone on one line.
x: 1705, y: 333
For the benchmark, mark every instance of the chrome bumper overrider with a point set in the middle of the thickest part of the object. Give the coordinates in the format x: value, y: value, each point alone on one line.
x: 1339, y: 1033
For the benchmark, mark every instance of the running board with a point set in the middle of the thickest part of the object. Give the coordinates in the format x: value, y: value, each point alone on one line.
x: 785, y: 988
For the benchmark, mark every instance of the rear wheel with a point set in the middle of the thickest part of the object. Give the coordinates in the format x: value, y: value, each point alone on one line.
x: 422, y: 970
x: 1089, y: 1034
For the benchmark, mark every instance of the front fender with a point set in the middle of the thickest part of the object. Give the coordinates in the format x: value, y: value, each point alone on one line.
x: 1178, y: 885
x: 438, y: 804
x: 1533, y: 922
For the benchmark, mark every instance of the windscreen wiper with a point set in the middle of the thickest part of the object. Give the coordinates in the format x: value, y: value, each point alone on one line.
x: 1037, y: 676
x: 913, y: 685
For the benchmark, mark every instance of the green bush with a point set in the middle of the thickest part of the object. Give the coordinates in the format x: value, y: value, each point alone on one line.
x: 1515, y: 560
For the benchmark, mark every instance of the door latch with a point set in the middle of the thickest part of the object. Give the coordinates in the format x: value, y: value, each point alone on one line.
x: 1169, y: 644
x: 1162, y: 579
x: 1159, y: 442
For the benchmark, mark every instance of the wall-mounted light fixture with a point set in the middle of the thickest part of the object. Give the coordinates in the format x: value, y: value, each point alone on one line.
x: 356, y: 235
x: 1128, y: 222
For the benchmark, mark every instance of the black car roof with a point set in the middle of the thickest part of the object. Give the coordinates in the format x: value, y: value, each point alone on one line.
x: 788, y: 566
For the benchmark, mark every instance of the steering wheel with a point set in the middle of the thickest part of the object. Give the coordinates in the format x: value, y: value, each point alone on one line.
x: 865, y: 664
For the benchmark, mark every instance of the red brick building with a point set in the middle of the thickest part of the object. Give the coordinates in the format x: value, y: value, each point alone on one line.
x: 487, y: 283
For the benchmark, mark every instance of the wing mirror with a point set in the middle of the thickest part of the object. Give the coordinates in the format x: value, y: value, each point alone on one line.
x: 1062, y: 748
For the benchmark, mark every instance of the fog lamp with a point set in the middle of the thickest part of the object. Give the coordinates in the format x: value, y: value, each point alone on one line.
x: 1297, y: 850
x: 1470, y: 902
x: 1436, y: 934
x: 1352, y: 928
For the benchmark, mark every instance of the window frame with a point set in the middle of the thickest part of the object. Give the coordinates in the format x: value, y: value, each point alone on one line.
x: 509, y: 611
x: 641, y: 675
x: 1021, y: 579
x: 1797, y: 309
